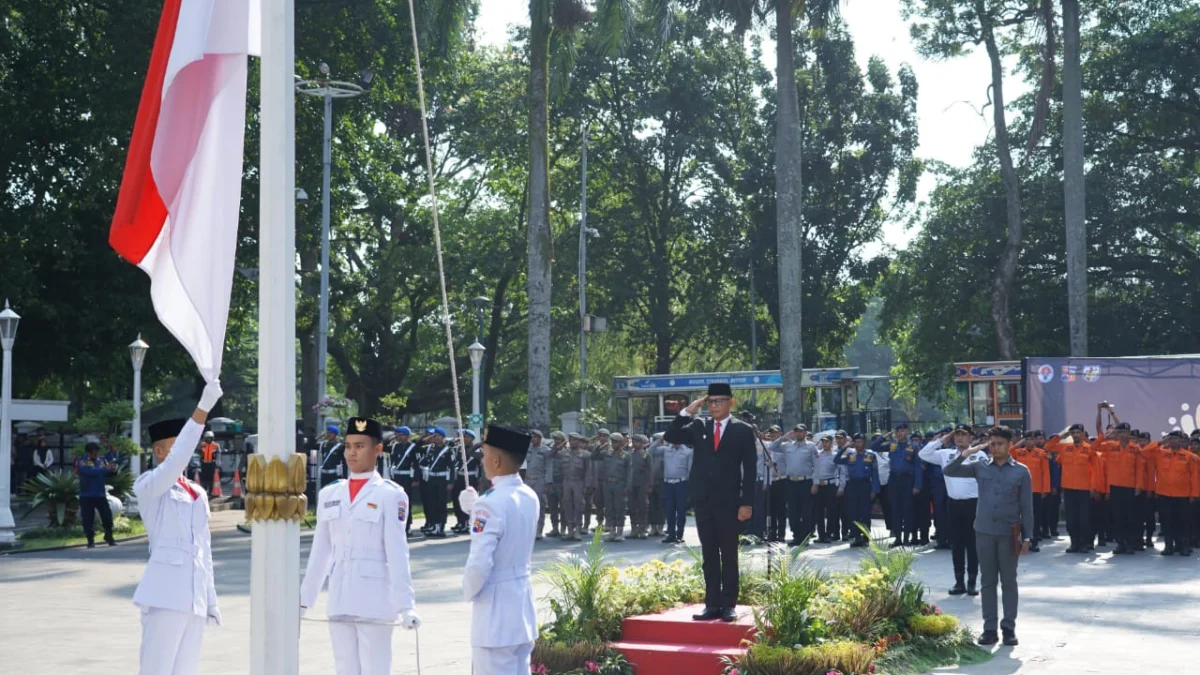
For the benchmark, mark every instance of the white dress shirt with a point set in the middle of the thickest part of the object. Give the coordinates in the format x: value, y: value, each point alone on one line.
x: 956, y: 488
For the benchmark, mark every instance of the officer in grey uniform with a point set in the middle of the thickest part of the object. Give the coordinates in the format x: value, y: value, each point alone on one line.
x: 557, y: 458
x: 576, y: 477
x: 657, y: 516
x: 800, y: 456
x: 677, y: 468
x: 829, y: 484
x: 537, y: 472
x: 642, y: 478
x: 616, y: 478
x: 594, y: 498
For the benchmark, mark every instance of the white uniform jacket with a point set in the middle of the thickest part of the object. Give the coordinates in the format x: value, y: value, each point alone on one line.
x: 362, y: 548
x: 179, y: 575
x: 496, y: 578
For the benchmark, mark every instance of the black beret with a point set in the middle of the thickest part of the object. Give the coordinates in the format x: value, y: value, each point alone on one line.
x: 1076, y: 427
x: 365, y: 427
x: 963, y: 427
x: 720, y: 389
x: 902, y: 425
x: 509, y: 440
x: 1123, y: 426
x: 859, y: 437
x: 1037, y: 432
x: 161, y: 431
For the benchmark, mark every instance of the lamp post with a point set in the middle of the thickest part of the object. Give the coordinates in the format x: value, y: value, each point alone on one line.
x: 476, y: 350
x: 8, y: 333
x: 328, y: 90
x: 137, y: 354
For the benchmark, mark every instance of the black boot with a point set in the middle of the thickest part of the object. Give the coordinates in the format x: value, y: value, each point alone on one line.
x: 972, y: 590
x: 108, y: 538
x: 959, y: 588
x: 923, y: 540
x: 91, y: 542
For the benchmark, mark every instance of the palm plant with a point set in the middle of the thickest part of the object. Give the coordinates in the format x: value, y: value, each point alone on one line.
x: 580, y: 595
x: 784, y: 614
x: 59, y: 490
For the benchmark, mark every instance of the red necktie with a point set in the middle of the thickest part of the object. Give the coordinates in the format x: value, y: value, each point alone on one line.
x: 184, y: 484
x: 716, y: 435
x: 356, y: 485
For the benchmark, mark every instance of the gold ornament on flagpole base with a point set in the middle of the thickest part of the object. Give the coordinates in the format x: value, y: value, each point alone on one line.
x: 275, y: 490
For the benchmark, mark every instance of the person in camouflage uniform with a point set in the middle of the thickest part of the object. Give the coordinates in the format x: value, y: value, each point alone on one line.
x: 576, y: 479
x: 554, y: 483
x: 641, y: 481
x: 658, y: 515
x: 615, y: 478
x: 537, y: 472
x: 594, y: 496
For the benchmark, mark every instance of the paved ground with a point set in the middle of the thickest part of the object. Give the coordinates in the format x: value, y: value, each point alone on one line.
x: 70, y: 612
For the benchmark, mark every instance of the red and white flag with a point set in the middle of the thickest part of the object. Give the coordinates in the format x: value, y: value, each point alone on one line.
x: 177, y: 213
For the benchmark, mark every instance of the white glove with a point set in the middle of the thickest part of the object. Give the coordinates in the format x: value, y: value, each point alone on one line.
x: 466, y: 500
x: 212, y: 394
x: 409, y: 620
x: 214, y: 616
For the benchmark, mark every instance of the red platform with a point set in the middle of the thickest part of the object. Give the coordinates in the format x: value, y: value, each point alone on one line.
x: 672, y: 644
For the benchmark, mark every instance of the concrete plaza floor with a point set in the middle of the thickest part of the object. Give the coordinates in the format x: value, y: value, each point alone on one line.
x: 70, y: 611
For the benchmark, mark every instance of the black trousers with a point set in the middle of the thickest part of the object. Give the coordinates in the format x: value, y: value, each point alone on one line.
x: 778, y: 505
x: 206, y: 476
x: 435, y: 510
x: 406, y: 482
x: 1078, y: 506
x: 962, y: 538
x: 1039, y: 520
x: 718, y: 527
x: 800, y: 507
x: 461, y: 517
x: 1099, y: 520
x: 1174, y: 513
x: 87, y: 508
x: 1124, y: 514
x: 923, y: 509
x: 885, y: 505
x: 1051, y: 511
x: 1149, y: 505
x: 827, y: 512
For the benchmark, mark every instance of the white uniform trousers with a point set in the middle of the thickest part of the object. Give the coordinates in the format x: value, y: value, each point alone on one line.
x: 512, y: 660
x: 361, y: 648
x: 170, y: 642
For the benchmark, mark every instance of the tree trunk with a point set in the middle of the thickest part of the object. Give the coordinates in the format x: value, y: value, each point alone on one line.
x: 788, y: 215
x: 1073, y: 181
x: 538, y: 277
x: 1006, y: 270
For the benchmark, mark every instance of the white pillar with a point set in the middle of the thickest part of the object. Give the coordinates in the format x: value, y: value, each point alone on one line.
x: 275, y: 547
x: 8, y: 535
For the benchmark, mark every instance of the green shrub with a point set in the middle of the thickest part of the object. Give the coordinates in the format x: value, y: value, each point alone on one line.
x: 934, y: 625
x: 121, y: 525
x: 580, y: 658
x: 59, y: 490
x: 919, y: 654
x: 850, y: 658
x: 783, y: 616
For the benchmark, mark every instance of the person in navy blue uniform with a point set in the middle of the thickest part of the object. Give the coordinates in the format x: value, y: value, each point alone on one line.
x: 935, y: 485
x: 862, y: 484
x: 904, y: 482
x: 92, y: 471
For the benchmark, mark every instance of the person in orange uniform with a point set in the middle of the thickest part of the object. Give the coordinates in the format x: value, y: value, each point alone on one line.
x: 1098, y: 514
x: 1177, y: 486
x: 1052, y: 502
x: 1076, y: 457
x: 1194, y: 539
x: 1148, y: 501
x: 210, y: 452
x: 1034, y: 458
x: 1123, y: 466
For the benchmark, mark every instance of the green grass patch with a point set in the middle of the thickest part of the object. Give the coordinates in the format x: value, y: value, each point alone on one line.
x: 919, y: 654
x: 55, y: 537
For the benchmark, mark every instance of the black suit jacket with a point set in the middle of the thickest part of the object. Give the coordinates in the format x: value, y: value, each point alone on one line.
x: 723, y: 477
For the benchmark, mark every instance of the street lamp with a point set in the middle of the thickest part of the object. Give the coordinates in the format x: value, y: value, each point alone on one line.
x: 481, y: 304
x: 476, y: 351
x: 137, y: 354
x: 328, y: 90
x: 8, y: 333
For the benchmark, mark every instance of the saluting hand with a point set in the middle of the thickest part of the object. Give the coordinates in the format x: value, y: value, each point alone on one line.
x: 694, y: 406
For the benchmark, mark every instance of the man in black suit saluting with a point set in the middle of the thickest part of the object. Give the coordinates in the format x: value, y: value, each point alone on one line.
x: 721, y: 487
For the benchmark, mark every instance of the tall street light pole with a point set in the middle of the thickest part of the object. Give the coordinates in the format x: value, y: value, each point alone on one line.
x: 8, y: 333
x: 328, y: 90
x: 476, y: 351
x: 137, y: 354
x: 583, y: 235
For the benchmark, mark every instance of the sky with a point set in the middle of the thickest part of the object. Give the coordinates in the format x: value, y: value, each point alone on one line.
x: 950, y: 93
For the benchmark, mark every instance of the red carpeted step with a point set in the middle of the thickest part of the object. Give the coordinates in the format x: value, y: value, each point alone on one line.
x: 671, y: 643
x: 675, y: 626
x: 676, y: 659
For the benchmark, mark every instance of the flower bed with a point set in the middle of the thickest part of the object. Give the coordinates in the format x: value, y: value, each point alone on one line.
x: 872, y: 620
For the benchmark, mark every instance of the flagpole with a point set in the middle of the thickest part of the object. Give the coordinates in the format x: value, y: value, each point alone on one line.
x: 275, y: 547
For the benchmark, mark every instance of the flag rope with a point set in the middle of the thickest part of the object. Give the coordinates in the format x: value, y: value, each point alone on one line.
x: 437, y: 239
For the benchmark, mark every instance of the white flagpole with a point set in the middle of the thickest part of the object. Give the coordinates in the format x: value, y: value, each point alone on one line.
x: 275, y: 548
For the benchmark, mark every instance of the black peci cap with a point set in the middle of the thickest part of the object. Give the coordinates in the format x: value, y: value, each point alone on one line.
x: 720, y: 389
x: 161, y: 431
x: 1123, y: 426
x: 509, y: 440
x: 362, y: 426
x: 1076, y: 427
